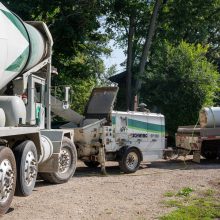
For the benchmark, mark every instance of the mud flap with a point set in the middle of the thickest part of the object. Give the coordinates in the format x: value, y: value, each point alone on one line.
x: 196, y: 156
x: 101, y: 159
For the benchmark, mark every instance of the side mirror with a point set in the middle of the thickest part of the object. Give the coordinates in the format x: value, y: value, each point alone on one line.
x: 66, y: 104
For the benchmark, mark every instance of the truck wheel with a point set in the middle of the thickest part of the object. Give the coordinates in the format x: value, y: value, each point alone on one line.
x: 209, y: 151
x: 26, y: 161
x: 67, y: 164
x: 92, y: 164
x: 7, y: 178
x: 209, y: 155
x: 130, y: 160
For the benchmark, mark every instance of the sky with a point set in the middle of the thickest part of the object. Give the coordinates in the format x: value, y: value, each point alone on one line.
x: 117, y: 57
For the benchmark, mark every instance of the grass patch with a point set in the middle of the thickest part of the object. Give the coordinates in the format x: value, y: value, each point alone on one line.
x: 202, y: 206
x: 185, y: 191
x: 209, y: 192
x: 169, y: 194
x: 172, y: 203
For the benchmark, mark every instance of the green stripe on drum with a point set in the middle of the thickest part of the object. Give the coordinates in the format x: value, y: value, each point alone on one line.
x: 17, y: 23
x: 19, y: 63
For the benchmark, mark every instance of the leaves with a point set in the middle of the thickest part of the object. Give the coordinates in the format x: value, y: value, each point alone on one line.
x: 194, y: 21
x: 180, y: 82
x: 180, y: 76
x: 78, y: 42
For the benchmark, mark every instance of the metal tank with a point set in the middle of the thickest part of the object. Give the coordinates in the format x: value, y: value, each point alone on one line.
x: 14, y: 109
x: 209, y: 117
x: 22, y: 46
x: 2, y: 118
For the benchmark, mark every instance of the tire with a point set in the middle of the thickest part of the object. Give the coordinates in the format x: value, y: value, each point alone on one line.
x: 130, y: 160
x: 209, y: 155
x: 210, y: 150
x: 92, y: 164
x: 7, y: 164
x: 26, y: 161
x: 64, y: 173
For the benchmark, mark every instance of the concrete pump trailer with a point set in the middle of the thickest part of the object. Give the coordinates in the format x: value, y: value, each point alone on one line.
x: 104, y: 134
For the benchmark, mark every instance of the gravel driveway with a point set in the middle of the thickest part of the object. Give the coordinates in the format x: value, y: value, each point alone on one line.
x: 117, y: 196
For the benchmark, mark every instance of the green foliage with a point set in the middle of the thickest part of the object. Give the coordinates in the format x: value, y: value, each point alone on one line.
x: 81, y: 93
x: 179, y: 81
x: 78, y: 42
x: 103, y: 79
x: 195, y: 212
x: 194, y: 21
x: 169, y: 194
x: 209, y: 192
x: 196, y: 207
x: 185, y: 191
x: 118, y: 14
x: 172, y: 203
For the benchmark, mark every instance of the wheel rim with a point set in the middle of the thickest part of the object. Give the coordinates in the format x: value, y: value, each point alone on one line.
x: 6, y: 180
x: 132, y: 160
x: 64, y: 160
x: 30, y: 168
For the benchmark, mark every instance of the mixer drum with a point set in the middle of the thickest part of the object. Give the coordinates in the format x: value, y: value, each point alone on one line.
x: 22, y: 46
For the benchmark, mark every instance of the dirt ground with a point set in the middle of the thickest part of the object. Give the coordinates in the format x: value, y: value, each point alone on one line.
x: 117, y: 196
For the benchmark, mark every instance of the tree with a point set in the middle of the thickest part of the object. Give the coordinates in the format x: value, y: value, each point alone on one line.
x: 178, y: 82
x: 129, y: 19
x: 78, y: 42
x: 147, y: 45
x: 194, y: 21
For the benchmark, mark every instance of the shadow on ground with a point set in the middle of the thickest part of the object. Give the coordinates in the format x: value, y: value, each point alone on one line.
x: 10, y: 210
x: 112, y: 169
x: 187, y: 164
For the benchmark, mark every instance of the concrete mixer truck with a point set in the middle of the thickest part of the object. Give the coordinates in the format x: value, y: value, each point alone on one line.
x: 28, y: 145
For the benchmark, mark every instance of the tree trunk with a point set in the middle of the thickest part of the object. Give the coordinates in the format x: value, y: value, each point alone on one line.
x: 129, y: 63
x: 147, y: 45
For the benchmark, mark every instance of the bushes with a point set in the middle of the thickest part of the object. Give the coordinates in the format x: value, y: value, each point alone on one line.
x: 178, y: 82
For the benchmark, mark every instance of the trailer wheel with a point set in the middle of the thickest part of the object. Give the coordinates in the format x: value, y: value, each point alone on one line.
x: 130, y: 160
x: 7, y: 178
x: 26, y: 161
x: 92, y: 164
x: 209, y: 155
x: 209, y: 150
x: 67, y: 164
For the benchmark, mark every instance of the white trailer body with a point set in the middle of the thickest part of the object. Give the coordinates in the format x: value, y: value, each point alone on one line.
x: 145, y: 131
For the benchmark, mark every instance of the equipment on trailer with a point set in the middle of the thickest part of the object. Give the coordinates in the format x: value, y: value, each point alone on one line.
x: 204, y: 139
